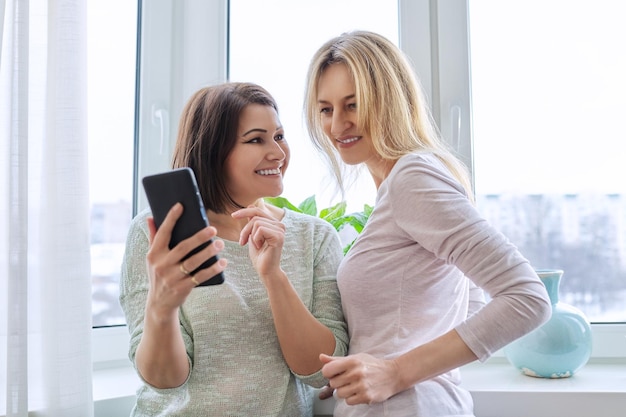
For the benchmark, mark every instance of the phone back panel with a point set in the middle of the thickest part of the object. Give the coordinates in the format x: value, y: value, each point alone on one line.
x: 168, y: 188
x: 179, y: 186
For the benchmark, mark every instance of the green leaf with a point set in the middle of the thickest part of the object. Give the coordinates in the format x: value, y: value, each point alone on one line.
x: 357, y: 220
x: 331, y: 213
x: 340, y: 222
x: 335, y: 215
x: 282, y: 202
x: 347, y: 247
x: 309, y: 206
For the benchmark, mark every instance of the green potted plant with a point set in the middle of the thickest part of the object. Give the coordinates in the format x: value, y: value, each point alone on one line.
x: 335, y: 215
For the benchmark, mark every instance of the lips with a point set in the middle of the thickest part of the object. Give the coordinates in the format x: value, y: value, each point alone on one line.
x: 346, y: 141
x: 275, y: 171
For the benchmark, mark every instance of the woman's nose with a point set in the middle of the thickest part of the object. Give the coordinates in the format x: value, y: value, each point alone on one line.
x: 339, y: 123
x: 276, y: 152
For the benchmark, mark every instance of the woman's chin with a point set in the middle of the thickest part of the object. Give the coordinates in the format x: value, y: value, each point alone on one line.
x: 350, y: 161
x: 275, y: 193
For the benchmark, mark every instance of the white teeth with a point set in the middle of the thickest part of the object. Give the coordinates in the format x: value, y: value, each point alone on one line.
x: 269, y: 171
x: 348, y: 140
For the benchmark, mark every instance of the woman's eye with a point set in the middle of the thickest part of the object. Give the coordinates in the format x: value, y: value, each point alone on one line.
x: 325, y: 110
x: 279, y: 137
x: 255, y: 140
x: 352, y: 106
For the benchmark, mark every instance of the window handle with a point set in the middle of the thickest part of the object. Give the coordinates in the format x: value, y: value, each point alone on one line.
x: 161, y: 119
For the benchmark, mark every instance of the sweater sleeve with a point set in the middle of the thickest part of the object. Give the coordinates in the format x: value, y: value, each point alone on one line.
x: 326, y: 302
x: 433, y: 209
x: 134, y: 284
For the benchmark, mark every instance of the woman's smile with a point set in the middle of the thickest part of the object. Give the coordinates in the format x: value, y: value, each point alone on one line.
x: 270, y: 171
x: 348, y: 140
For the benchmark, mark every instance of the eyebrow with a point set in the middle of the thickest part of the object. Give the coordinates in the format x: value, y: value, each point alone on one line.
x: 348, y: 97
x: 256, y: 129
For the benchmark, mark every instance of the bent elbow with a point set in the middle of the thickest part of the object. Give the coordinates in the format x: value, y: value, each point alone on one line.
x: 542, y: 309
x: 547, y: 312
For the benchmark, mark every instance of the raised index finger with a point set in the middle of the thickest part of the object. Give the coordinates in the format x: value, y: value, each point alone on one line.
x: 250, y: 212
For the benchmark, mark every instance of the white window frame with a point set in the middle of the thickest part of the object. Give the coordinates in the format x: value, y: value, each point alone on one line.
x: 435, y: 35
x: 185, y: 46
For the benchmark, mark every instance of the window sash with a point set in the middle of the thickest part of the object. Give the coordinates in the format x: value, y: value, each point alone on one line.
x: 184, y: 48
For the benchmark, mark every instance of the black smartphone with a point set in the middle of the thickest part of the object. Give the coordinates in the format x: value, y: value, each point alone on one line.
x: 179, y: 186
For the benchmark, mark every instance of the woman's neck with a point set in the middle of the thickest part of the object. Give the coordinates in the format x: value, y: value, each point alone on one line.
x: 229, y: 228
x: 379, y: 169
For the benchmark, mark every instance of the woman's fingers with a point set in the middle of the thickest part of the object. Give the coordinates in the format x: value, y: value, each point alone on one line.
x: 252, y: 211
x: 190, y: 244
x: 361, y: 378
x: 343, y: 376
x: 206, y: 274
x: 263, y: 231
x: 160, y: 239
x: 333, y: 367
x: 256, y: 216
x: 167, y: 269
x: 198, y: 259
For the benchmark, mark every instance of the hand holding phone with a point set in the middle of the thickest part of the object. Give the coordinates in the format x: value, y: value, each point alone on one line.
x: 179, y: 186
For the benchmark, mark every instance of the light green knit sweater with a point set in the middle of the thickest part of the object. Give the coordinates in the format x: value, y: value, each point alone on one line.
x: 237, y: 368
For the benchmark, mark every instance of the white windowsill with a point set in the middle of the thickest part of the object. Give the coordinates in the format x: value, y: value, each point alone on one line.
x: 499, y: 390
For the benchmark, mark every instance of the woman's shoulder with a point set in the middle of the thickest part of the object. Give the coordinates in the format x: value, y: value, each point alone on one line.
x: 424, y: 160
x: 312, y: 232
x: 420, y: 171
x: 138, y: 227
x: 301, y: 223
x: 419, y: 163
x: 303, y: 218
x: 139, y: 221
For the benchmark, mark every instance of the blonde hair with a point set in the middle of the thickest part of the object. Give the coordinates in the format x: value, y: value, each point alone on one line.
x: 390, y: 103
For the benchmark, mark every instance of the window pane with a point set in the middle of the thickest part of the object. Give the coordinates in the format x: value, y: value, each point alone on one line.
x: 271, y: 43
x: 549, y: 98
x: 112, y: 33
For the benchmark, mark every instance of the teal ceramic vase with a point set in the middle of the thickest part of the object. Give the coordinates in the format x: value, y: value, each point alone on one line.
x: 559, y: 347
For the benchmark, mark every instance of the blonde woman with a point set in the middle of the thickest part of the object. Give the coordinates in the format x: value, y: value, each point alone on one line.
x: 408, y: 284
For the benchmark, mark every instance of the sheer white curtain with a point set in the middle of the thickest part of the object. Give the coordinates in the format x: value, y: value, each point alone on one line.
x: 45, y: 288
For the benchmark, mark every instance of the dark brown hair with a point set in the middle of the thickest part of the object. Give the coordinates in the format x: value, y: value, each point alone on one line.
x: 207, y: 134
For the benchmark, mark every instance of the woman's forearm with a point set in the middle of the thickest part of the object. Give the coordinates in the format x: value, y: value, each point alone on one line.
x: 431, y: 359
x: 301, y: 336
x: 161, y: 357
